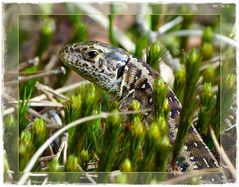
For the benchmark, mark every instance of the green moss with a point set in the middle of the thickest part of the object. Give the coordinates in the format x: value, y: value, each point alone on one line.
x: 209, y: 74
x: 54, y: 166
x: 141, y: 44
x: 160, y: 92
x: 72, y: 163
x: 207, y: 50
x: 207, y: 35
x: 126, y: 166
x: 82, y: 103
x: 23, y: 107
x: 26, y: 148
x: 39, y: 132
x: 155, y: 54
x: 207, y: 104
x: 179, y: 83
x: 192, y: 63
x: 111, y: 142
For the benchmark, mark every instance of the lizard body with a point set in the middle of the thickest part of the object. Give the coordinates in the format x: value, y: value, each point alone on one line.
x: 127, y: 77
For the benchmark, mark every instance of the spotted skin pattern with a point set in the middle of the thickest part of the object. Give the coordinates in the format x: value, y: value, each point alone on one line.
x: 128, y: 78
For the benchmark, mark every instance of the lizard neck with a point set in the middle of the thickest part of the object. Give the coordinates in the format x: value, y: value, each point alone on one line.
x: 137, y: 80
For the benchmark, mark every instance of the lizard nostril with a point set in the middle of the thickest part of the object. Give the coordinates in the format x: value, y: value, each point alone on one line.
x: 71, y: 49
x: 64, y: 50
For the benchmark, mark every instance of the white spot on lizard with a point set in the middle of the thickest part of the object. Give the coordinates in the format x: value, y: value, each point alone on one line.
x: 143, y: 86
x: 195, y: 167
x: 186, y: 147
x: 150, y: 100
x: 206, y: 162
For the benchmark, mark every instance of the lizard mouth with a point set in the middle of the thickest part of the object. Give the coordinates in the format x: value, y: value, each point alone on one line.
x: 63, y: 54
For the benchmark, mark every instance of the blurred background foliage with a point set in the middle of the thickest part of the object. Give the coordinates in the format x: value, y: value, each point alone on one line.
x: 36, y: 32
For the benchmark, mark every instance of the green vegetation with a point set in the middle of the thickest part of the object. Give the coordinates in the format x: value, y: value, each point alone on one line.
x: 155, y: 54
x: 192, y: 63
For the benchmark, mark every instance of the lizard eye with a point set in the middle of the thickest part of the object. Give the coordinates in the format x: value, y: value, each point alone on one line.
x: 92, y: 54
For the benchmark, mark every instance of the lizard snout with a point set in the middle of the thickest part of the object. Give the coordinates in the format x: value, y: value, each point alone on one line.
x: 64, y: 50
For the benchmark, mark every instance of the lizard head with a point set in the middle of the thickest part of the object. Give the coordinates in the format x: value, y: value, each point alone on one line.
x: 97, y: 62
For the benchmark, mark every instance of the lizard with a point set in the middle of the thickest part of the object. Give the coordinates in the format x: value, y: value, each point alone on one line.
x: 127, y: 77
